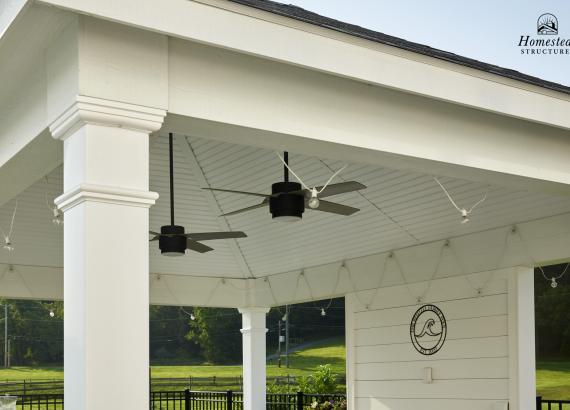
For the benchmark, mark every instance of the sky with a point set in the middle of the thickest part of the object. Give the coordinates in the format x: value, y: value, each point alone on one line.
x: 485, y: 30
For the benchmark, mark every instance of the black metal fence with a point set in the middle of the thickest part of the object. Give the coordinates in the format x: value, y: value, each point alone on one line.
x: 40, y: 402
x: 210, y: 400
x: 28, y: 387
x: 192, y: 400
x: 544, y: 404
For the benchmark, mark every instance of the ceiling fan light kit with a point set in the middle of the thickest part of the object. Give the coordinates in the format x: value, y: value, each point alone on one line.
x: 172, y: 241
x: 288, y: 205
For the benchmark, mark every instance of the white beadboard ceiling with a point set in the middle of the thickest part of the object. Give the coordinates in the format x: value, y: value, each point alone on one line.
x: 397, y: 209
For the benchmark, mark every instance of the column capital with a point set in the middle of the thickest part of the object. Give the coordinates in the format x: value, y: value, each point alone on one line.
x: 256, y: 309
x: 103, y: 112
x: 101, y: 193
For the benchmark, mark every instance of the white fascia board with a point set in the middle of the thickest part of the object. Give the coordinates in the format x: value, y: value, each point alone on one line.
x: 262, y: 34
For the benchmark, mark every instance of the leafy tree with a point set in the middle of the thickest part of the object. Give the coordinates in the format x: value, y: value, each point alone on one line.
x: 217, y: 332
x: 35, y: 335
x: 168, y: 329
x: 552, y: 313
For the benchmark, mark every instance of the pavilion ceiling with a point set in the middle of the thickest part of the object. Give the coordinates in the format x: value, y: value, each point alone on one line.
x: 398, y: 209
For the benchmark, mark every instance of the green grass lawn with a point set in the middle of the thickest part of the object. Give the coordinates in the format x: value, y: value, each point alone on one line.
x: 553, y: 379
x: 18, y: 373
x: 301, y: 363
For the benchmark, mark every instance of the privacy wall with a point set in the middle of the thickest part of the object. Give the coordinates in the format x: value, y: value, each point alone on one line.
x: 458, y: 348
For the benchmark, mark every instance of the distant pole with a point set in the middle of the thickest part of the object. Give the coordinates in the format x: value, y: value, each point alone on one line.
x: 6, y: 335
x: 287, y: 336
x: 279, y: 343
x: 9, y: 358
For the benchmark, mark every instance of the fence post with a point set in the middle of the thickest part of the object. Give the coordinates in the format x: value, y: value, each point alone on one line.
x: 229, y: 400
x: 538, y: 402
x: 300, y: 400
x: 187, y: 399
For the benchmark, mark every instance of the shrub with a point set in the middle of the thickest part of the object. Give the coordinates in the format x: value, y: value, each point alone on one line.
x: 322, y: 381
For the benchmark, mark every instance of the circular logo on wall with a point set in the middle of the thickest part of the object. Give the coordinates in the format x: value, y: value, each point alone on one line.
x: 428, y: 329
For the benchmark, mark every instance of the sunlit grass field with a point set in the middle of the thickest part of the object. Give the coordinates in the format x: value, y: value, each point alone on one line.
x: 552, y: 377
x: 301, y: 363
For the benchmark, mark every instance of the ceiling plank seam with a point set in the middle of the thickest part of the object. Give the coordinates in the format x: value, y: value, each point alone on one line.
x: 382, y: 212
x: 188, y: 152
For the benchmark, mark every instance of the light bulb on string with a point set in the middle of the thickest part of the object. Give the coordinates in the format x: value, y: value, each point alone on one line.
x: 51, y: 313
x: 464, y: 217
x: 313, y: 202
x: 464, y: 212
x: 7, y: 244
x: 323, y: 312
x: 192, y: 317
x: 57, y: 217
x: 284, y: 318
x: 554, y: 279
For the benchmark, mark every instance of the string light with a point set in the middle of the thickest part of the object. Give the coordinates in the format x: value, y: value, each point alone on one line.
x: 323, y: 312
x: 51, y: 313
x: 464, y: 212
x: 57, y: 216
x: 7, y: 242
x: 553, y: 280
x: 191, y: 314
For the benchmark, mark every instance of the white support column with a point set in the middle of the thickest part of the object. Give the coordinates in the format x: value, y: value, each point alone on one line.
x: 522, y: 366
x: 254, y: 380
x: 106, y: 204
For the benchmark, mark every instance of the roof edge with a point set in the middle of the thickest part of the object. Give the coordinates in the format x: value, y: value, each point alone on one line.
x: 298, y: 13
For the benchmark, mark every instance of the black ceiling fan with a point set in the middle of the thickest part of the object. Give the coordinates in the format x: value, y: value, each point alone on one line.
x: 288, y: 200
x: 172, y: 239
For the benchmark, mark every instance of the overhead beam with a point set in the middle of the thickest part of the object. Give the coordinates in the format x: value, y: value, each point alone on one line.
x: 38, y: 158
x: 255, y: 32
x: 245, y: 100
x: 536, y: 243
x: 541, y: 242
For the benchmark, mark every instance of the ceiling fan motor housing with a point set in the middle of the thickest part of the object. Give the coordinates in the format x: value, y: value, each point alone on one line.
x: 287, y: 204
x: 172, y: 245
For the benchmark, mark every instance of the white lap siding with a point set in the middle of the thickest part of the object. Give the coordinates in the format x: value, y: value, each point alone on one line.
x: 470, y: 372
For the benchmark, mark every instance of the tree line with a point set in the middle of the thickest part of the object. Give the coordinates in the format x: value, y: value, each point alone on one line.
x: 189, y: 335
x: 178, y: 335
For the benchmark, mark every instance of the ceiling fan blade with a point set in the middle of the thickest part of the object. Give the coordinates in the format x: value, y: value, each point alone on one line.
x: 208, y: 236
x: 249, y: 208
x: 197, y: 246
x: 155, y: 237
x: 237, y: 192
x: 334, y: 208
x: 340, y: 188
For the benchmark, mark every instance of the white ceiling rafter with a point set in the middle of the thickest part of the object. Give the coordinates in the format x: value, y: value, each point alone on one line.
x: 198, y: 172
